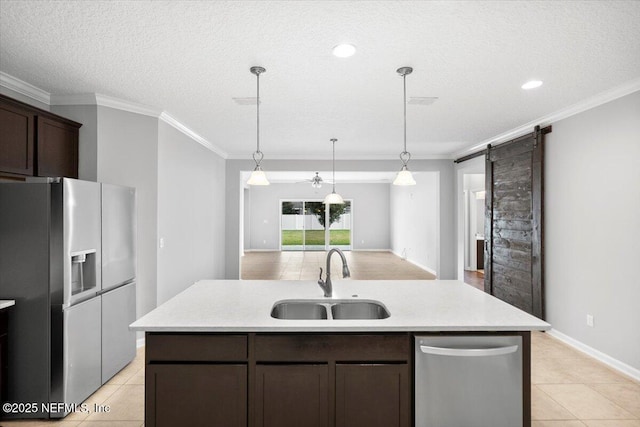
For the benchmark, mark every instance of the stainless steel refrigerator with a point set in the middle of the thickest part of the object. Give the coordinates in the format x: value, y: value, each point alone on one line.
x: 67, y: 256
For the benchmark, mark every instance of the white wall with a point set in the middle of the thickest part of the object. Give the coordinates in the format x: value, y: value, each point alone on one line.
x: 191, y: 213
x: 446, y: 200
x: 473, y: 166
x: 128, y: 155
x: 370, y: 212
x: 415, y: 211
x: 592, y: 228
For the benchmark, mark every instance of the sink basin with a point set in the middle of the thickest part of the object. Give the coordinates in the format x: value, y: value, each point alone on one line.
x: 299, y: 310
x: 329, y: 309
x: 359, y: 310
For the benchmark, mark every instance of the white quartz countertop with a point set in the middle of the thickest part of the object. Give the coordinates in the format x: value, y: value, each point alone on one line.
x: 4, y: 303
x: 415, y: 305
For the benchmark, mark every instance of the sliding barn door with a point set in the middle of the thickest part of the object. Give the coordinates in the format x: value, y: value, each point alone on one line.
x: 513, y: 225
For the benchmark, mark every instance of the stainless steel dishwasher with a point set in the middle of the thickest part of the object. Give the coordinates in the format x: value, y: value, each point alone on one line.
x: 468, y: 381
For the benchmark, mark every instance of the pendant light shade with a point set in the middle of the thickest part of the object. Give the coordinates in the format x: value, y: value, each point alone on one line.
x: 258, y: 177
x: 404, y: 177
x: 334, y: 198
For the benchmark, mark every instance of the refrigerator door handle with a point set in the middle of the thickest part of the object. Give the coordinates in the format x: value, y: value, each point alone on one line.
x: 469, y: 352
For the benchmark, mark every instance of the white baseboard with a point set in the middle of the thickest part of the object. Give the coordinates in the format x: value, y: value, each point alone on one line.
x: 597, y: 354
x: 140, y: 342
x: 371, y: 250
x: 424, y: 267
x: 262, y: 250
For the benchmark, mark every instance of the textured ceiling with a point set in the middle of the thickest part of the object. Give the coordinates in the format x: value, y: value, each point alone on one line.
x: 191, y: 58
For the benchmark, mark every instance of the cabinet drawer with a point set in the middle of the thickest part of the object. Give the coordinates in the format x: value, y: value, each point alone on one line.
x: 195, y: 348
x: 318, y: 348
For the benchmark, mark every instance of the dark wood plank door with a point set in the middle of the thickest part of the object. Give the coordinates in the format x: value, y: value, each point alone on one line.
x: 372, y: 395
x: 196, y: 395
x: 292, y: 396
x: 513, y: 225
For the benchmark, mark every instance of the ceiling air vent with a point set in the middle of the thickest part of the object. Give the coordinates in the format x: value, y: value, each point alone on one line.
x: 245, y: 101
x: 422, y: 100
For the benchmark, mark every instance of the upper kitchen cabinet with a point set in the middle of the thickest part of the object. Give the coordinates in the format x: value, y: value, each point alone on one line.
x: 34, y: 142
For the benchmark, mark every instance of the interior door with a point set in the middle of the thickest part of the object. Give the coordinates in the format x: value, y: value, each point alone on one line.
x: 513, y: 224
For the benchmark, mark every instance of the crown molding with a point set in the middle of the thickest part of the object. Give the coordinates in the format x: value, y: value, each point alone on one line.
x: 121, y: 104
x: 577, y: 108
x: 40, y: 95
x: 104, y: 101
x: 24, y: 88
x: 171, y: 121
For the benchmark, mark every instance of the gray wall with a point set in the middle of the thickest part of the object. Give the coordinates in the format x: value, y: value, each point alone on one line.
x: 128, y: 155
x: 191, y: 212
x: 370, y: 212
x: 87, y: 138
x: 234, y: 215
x: 415, y: 234
x: 592, y: 227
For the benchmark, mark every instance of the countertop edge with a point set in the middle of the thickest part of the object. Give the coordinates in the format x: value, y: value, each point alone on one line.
x: 6, y: 303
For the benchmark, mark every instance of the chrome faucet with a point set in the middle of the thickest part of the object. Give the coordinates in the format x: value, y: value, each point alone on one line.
x: 326, y: 284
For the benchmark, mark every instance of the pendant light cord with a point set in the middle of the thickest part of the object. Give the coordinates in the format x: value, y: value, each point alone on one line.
x: 258, y: 114
x: 404, y: 82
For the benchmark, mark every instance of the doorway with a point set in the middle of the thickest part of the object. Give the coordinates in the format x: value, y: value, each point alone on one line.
x: 302, y: 225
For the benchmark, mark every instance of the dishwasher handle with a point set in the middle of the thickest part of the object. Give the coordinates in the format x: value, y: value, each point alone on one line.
x: 469, y: 352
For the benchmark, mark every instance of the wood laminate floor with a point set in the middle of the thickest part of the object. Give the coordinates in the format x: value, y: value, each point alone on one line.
x: 569, y: 388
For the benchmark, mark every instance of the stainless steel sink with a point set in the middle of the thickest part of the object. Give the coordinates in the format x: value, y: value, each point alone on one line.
x: 299, y: 310
x: 329, y: 309
x: 359, y: 310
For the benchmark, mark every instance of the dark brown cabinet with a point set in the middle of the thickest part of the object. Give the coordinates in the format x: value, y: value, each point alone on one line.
x: 57, y: 148
x: 292, y: 395
x: 197, y: 395
x: 35, y: 142
x: 278, y: 380
x: 374, y: 395
x: 196, y: 380
x: 16, y: 139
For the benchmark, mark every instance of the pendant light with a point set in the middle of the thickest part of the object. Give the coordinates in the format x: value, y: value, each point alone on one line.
x: 258, y: 177
x: 404, y: 177
x: 334, y: 198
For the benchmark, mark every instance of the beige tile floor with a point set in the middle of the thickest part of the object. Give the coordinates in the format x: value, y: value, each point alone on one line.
x: 306, y: 266
x: 569, y: 389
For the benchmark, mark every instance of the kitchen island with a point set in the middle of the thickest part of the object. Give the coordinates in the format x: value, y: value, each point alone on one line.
x: 216, y: 356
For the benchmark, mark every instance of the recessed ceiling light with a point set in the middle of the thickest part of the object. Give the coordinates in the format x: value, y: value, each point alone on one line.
x: 344, y: 50
x: 532, y: 84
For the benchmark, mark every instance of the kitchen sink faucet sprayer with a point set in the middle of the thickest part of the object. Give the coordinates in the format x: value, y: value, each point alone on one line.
x: 326, y: 284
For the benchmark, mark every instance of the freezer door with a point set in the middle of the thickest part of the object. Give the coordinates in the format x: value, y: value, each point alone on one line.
x: 81, y: 353
x: 82, y: 242
x: 468, y: 381
x: 118, y: 235
x: 118, y: 342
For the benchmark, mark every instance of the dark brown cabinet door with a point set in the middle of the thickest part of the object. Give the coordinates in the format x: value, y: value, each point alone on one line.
x: 16, y: 140
x: 196, y: 395
x: 292, y: 395
x: 56, y: 148
x: 372, y: 395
